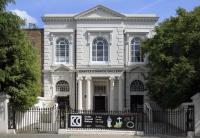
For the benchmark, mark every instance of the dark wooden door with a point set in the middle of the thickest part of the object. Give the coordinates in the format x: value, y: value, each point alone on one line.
x: 100, y: 103
x: 137, y: 102
x: 63, y: 102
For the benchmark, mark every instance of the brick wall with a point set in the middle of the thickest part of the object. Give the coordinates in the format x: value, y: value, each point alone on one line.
x: 36, y: 36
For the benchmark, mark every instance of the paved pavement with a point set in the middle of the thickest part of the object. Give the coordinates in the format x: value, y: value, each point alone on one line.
x: 77, y: 136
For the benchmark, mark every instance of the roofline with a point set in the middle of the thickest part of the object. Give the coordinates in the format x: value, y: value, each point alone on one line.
x: 77, y: 16
x: 99, y: 6
x: 34, y: 29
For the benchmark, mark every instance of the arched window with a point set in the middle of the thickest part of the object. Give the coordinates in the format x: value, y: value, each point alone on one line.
x: 100, y: 49
x: 136, y: 55
x: 62, y: 50
x: 136, y: 86
x: 62, y: 86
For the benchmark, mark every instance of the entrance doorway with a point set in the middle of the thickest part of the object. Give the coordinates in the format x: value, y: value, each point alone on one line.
x: 63, y: 102
x: 137, y: 102
x: 99, y: 103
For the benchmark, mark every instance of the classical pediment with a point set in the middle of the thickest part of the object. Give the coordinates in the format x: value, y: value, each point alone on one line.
x: 99, y: 12
x: 61, y: 68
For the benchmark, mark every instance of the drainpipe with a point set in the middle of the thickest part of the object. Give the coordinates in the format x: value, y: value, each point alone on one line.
x: 75, y: 44
x: 124, y: 69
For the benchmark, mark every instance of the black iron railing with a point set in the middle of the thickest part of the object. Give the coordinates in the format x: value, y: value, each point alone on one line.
x: 169, y: 122
x: 151, y: 122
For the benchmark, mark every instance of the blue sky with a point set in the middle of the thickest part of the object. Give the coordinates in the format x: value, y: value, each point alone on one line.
x: 34, y: 9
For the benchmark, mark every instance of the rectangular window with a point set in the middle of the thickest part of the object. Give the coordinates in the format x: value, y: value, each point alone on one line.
x: 100, y: 89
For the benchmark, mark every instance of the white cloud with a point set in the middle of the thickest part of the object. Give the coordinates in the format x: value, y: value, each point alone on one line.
x: 25, y: 16
x: 150, y: 5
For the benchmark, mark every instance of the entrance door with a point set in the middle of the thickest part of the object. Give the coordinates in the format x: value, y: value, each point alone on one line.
x: 137, y: 102
x: 99, y: 103
x: 63, y: 102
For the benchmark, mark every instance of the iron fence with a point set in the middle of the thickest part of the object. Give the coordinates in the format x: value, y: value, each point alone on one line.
x: 49, y: 120
x: 169, y: 122
x: 35, y: 120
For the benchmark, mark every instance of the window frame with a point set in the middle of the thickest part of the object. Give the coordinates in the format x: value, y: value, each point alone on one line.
x: 140, y: 82
x: 103, y: 56
x: 67, y: 87
x: 133, y: 44
x: 67, y: 51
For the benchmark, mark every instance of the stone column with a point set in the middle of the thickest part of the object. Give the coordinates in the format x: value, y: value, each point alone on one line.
x: 89, y: 94
x: 80, y: 94
x: 120, y: 95
x: 112, y: 99
x: 4, y: 100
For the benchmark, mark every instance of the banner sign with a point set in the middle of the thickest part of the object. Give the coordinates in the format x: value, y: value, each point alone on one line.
x: 101, y: 121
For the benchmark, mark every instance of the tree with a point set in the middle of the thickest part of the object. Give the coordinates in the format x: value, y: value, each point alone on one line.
x: 174, y: 59
x: 19, y: 64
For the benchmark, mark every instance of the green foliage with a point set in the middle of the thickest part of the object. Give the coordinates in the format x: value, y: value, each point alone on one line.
x: 19, y: 64
x: 174, y: 59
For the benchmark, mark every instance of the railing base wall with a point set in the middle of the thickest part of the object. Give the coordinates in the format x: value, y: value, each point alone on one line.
x: 190, y: 134
x: 98, y: 132
x: 11, y: 131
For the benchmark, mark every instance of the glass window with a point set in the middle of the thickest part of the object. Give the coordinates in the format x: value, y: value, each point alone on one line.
x: 100, y: 89
x: 62, y: 50
x: 62, y: 86
x: 136, y: 86
x: 136, y: 55
x: 99, y: 49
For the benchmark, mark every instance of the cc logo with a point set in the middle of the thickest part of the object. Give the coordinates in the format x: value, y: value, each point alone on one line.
x: 75, y: 120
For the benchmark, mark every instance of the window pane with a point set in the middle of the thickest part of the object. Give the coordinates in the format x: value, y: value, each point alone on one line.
x: 137, y: 59
x: 100, y: 89
x: 99, y: 58
x: 137, y: 85
x: 105, y: 58
x: 62, y: 50
x: 94, y: 58
x: 137, y: 47
x: 62, y: 86
x: 137, y: 53
x: 135, y: 50
x: 100, y: 49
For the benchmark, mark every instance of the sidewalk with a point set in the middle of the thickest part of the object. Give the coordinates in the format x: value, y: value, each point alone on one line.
x: 77, y: 136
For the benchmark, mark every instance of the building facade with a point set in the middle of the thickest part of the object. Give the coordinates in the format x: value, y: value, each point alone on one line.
x: 93, y: 59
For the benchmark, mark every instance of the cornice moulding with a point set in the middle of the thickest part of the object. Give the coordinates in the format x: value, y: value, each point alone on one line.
x: 60, y: 30
x: 66, y: 19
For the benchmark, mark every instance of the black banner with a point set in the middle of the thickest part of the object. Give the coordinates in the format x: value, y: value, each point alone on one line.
x: 102, y: 121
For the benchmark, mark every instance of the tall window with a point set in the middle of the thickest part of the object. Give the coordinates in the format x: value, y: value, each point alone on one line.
x: 136, y: 55
x: 62, y: 86
x: 62, y: 50
x: 136, y: 86
x: 100, y: 49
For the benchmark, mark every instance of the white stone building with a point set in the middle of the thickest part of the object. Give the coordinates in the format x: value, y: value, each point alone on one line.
x: 93, y: 61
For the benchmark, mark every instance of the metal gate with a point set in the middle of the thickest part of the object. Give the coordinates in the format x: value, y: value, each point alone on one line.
x: 35, y: 120
x: 169, y: 122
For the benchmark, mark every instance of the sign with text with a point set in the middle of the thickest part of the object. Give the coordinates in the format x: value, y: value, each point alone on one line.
x: 101, y: 121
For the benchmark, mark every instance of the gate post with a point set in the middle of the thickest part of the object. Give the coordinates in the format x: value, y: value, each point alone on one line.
x: 196, y: 101
x: 4, y: 100
x: 190, y: 121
